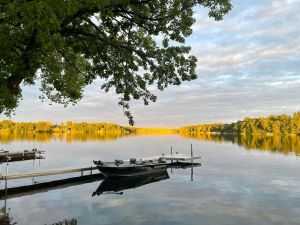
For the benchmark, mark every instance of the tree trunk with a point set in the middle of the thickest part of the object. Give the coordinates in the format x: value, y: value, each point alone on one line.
x: 13, y: 84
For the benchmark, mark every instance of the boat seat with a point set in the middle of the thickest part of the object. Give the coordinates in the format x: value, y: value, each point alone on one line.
x: 132, y: 160
x: 162, y: 159
x: 140, y: 162
x: 119, y: 161
x: 98, y: 162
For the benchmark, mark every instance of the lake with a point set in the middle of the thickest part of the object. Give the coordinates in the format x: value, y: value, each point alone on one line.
x: 241, y: 180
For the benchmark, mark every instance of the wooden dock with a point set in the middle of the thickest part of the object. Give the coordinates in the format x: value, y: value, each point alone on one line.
x: 6, y: 156
x: 170, y: 157
x: 174, y: 160
x: 78, y: 169
x: 48, y: 172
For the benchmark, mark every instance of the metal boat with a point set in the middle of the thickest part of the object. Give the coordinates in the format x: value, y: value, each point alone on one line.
x: 121, y: 168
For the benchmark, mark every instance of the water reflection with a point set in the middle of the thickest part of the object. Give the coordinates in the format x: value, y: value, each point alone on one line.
x: 21, y: 191
x: 6, y: 219
x: 276, y: 143
x: 112, y: 185
x: 67, y: 137
x: 231, y: 187
x: 108, y: 185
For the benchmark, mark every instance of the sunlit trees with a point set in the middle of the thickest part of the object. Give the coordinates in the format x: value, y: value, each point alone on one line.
x: 283, y: 124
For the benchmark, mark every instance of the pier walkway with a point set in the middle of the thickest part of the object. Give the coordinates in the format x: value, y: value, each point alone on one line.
x: 48, y: 172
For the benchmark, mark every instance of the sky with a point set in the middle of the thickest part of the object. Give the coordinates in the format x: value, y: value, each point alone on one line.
x: 248, y: 65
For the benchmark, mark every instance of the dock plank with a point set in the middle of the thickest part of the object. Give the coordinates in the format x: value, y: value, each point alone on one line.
x: 48, y: 172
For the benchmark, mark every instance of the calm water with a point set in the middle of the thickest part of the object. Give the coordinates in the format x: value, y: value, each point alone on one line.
x: 239, y: 182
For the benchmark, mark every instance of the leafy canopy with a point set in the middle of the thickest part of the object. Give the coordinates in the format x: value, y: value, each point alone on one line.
x: 68, y: 44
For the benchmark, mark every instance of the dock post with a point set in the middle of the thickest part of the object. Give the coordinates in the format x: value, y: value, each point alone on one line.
x: 6, y: 183
x: 192, y: 155
x: 172, y: 159
x: 91, y: 171
x: 6, y: 171
x: 192, y: 161
x: 5, y: 196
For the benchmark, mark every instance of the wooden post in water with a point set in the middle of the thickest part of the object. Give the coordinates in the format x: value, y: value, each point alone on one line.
x: 172, y: 159
x: 192, y: 161
x: 6, y: 186
x: 6, y: 171
x: 172, y: 153
x: 39, y: 156
x: 5, y: 197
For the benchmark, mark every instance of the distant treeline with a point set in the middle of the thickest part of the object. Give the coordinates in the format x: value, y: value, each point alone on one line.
x: 283, y: 124
x: 7, y: 126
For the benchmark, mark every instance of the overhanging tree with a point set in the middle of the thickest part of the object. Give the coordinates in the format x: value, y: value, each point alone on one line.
x: 67, y: 44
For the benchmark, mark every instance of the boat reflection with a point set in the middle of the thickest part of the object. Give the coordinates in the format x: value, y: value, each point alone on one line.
x: 115, y: 185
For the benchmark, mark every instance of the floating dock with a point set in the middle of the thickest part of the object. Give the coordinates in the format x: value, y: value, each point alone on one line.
x: 6, y: 156
x: 80, y: 169
x: 48, y: 172
x: 171, y: 157
x: 173, y: 161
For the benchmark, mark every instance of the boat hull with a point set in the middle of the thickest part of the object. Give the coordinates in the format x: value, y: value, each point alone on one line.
x: 120, y: 171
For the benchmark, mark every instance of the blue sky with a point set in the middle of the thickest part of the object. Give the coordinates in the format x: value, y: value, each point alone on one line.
x: 248, y: 65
